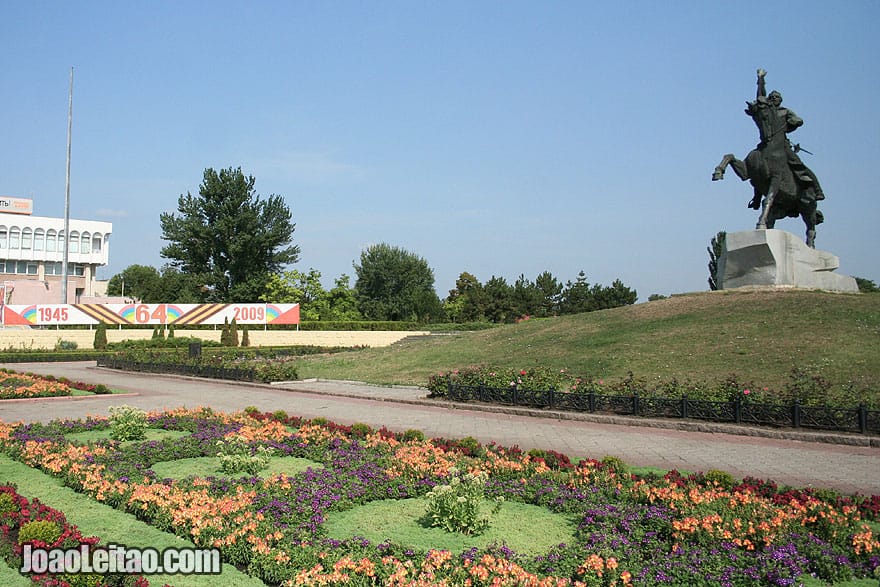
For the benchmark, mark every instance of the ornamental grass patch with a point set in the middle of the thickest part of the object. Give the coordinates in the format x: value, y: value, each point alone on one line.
x: 309, y: 526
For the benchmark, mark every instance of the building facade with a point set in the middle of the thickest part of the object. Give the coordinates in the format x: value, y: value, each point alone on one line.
x: 32, y: 252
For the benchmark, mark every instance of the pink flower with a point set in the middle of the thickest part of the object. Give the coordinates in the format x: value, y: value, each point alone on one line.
x: 746, y: 391
x: 522, y: 372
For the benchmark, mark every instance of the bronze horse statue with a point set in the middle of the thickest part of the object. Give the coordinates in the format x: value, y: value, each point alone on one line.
x: 783, y: 185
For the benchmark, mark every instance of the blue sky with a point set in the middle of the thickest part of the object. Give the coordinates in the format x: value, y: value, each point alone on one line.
x: 498, y: 138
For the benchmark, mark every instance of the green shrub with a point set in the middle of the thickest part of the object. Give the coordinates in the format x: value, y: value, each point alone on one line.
x: 45, y: 531
x: 282, y: 370
x: 101, y: 389
x: 614, y: 464
x: 65, y: 345
x: 127, y: 423
x: 722, y: 478
x: 280, y: 416
x: 455, y: 507
x: 100, y: 342
x: 471, y: 446
x: 7, y: 504
x: 252, y: 410
x: 413, y: 435
x: 245, y: 338
x: 235, y: 456
x: 360, y: 430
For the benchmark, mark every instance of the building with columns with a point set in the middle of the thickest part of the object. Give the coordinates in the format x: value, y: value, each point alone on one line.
x: 32, y: 250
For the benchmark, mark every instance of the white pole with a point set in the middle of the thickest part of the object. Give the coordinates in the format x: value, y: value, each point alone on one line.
x: 67, y: 196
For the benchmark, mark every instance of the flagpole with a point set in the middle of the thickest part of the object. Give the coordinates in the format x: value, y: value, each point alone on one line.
x: 66, y: 241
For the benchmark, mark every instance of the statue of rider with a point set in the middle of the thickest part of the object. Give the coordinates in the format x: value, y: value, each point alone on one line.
x: 771, y: 118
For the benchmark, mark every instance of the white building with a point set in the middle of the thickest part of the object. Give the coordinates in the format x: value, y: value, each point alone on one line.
x: 32, y: 250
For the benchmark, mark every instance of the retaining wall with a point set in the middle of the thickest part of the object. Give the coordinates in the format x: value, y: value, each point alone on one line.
x: 47, y: 338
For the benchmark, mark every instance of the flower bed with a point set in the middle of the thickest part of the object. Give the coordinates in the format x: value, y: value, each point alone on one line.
x: 630, y: 530
x: 20, y: 517
x: 15, y: 385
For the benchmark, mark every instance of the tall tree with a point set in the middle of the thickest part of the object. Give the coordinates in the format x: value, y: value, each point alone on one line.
x: 466, y: 302
x: 500, y: 306
x: 551, y: 294
x: 342, y: 300
x: 228, y: 237
x: 715, y: 248
x: 297, y: 287
x: 395, y: 284
x: 141, y: 282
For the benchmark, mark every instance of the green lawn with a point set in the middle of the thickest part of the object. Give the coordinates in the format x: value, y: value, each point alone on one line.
x: 398, y: 520
x: 111, y: 525
x: 207, y: 466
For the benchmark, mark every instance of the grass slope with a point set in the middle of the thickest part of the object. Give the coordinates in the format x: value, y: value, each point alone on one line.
x: 758, y: 335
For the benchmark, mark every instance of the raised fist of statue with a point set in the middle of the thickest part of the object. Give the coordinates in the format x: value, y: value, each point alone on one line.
x: 762, y: 72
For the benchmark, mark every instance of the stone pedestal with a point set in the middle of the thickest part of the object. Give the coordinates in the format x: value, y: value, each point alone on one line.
x: 776, y: 258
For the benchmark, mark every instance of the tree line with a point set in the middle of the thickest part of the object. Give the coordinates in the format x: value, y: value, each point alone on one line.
x: 229, y: 244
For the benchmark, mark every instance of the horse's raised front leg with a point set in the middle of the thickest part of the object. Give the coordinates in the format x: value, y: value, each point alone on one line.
x: 719, y: 169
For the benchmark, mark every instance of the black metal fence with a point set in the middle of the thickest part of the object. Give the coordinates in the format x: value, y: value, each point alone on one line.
x: 859, y: 419
x: 178, y: 369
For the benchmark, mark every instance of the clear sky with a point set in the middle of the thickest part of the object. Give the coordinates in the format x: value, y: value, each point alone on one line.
x: 498, y: 138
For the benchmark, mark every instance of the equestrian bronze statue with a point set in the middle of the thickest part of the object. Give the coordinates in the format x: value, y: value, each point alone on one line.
x: 783, y: 185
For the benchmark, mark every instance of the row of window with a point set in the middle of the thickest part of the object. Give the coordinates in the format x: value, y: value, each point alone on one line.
x: 30, y: 268
x: 50, y: 241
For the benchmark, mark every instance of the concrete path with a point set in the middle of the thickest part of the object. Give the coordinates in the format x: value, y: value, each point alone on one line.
x: 789, y: 458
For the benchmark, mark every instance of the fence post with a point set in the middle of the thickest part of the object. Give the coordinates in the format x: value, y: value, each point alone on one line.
x: 684, y: 406
x: 515, y: 388
x: 636, y: 404
x: 737, y: 410
x: 449, y: 391
x: 551, y: 397
x: 796, y: 414
x: 480, y: 392
x: 863, y: 418
x: 591, y: 400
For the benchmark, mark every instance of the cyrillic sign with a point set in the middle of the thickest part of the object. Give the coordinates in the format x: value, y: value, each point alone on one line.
x: 12, y: 205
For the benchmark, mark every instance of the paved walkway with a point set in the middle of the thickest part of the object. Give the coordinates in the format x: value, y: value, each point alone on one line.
x: 788, y: 458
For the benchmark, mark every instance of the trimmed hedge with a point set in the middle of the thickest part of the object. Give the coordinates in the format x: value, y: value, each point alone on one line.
x: 34, y: 356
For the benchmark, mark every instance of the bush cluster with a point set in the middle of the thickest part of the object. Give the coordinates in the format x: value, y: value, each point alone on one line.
x: 455, y: 506
x: 127, y: 423
x: 806, y: 385
x: 236, y: 456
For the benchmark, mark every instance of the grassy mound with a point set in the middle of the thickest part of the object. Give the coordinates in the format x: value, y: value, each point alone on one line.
x: 760, y: 335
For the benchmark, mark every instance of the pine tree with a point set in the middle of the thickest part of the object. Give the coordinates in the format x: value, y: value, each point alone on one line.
x: 224, y: 334
x: 245, y: 339
x: 100, y: 343
x: 233, y: 334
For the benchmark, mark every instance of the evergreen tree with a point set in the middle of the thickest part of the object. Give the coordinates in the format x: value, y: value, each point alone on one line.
x: 715, y: 249
x: 233, y: 333
x: 100, y: 343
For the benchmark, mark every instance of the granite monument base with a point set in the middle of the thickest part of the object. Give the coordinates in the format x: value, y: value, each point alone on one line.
x: 776, y: 258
